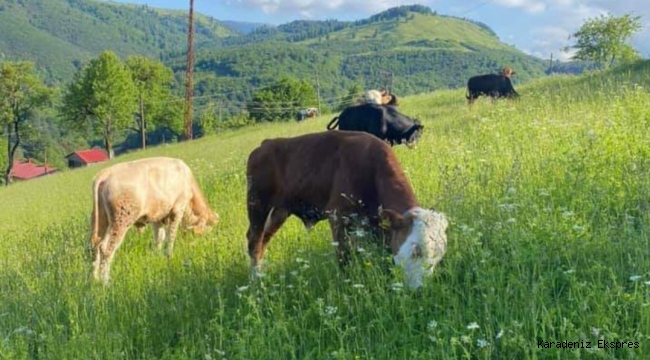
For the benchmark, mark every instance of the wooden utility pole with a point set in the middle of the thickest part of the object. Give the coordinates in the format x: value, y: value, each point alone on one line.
x: 143, y: 131
x: 318, y: 93
x: 189, y: 85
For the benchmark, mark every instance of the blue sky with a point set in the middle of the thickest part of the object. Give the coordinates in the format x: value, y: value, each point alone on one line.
x: 538, y: 27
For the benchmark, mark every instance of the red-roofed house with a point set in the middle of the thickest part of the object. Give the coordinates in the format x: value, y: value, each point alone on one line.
x: 81, y: 158
x: 26, y: 169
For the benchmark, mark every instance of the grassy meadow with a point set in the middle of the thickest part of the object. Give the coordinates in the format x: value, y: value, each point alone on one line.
x: 548, y: 199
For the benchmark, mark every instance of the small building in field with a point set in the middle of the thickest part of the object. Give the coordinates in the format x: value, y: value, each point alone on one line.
x: 82, y: 158
x: 27, y: 169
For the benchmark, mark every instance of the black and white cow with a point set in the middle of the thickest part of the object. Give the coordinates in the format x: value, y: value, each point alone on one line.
x: 383, y: 121
x: 492, y: 85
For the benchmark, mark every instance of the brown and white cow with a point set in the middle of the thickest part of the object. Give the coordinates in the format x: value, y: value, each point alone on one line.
x: 159, y: 190
x: 341, y: 175
x: 378, y: 97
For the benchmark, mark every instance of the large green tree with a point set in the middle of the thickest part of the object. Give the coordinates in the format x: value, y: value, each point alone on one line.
x: 21, y: 93
x: 103, y: 96
x: 282, y: 100
x: 153, y: 81
x: 604, y: 39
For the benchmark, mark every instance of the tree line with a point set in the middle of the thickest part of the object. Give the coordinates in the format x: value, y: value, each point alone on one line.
x: 112, y: 103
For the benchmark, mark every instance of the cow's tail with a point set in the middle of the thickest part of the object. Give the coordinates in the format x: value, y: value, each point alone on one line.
x: 95, y: 217
x: 333, y: 124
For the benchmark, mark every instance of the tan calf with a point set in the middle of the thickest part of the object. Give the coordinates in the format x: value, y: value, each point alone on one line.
x: 160, y: 190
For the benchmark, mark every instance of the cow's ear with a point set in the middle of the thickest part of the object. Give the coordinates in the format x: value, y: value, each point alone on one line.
x: 391, y: 219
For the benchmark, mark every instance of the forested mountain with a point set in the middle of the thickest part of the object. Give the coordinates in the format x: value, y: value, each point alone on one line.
x: 58, y: 35
x: 411, y: 49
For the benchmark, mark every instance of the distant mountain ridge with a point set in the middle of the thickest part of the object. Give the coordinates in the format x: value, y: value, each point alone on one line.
x: 242, y: 27
x: 411, y: 49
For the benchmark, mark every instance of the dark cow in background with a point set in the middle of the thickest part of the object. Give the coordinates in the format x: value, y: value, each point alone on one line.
x: 492, y: 85
x: 383, y: 121
x: 341, y: 176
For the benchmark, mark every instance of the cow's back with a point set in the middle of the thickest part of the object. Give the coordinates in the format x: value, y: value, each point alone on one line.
x: 483, y: 82
x: 317, y: 170
x: 150, y: 186
x: 365, y: 117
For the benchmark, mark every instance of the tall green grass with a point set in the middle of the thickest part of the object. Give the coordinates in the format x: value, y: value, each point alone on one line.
x: 548, y: 199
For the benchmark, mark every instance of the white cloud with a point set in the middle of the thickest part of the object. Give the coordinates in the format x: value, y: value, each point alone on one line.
x: 530, y: 6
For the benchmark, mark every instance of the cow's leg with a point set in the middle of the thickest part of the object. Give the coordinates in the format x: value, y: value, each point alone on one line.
x: 107, y: 248
x: 97, y: 237
x: 257, y: 216
x: 263, y: 225
x: 159, y: 235
x: 97, y: 254
x: 177, y: 217
x: 339, y: 227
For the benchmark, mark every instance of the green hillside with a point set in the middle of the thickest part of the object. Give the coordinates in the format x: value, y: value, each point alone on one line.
x: 549, y: 241
x: 60, y: 34
x: 421, y: 50
x: 417, y: 30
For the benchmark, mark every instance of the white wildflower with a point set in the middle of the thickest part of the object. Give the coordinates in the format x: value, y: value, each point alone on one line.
x: 331, y: 310
x: 473, y: 326
x: 358, y: 286
x: 359, y: 232
x: 432, y: 324
x: 499, y: 335
x: 635, y: 277
x: 397, y: 286
x: 567, y: 213
x: 482, y: 343
x: 595, y: 331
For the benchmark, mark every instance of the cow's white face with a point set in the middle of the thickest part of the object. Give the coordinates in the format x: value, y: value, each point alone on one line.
x: 424, y: 246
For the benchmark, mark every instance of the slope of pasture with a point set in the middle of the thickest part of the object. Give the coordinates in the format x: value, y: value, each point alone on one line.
x: 548, y: 199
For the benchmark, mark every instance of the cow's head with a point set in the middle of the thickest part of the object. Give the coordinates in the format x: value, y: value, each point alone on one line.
x: 387, y: 98
x: 201, y: 223
x: 392, y: 100
x: 412, y: 135
x: 418, y: 240
x: 507, y: 71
